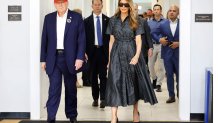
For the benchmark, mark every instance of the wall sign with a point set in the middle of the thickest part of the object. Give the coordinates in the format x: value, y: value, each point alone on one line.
x: 14, y: 9
x: 14, y: 17
x: 14, y: 13
x: 203, y: 17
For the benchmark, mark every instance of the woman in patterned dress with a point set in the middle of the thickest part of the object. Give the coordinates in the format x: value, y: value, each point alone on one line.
x: 128, y: 79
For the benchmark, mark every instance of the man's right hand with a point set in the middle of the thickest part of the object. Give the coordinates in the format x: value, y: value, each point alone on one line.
x: 164, y: 41
x: 43, y: 66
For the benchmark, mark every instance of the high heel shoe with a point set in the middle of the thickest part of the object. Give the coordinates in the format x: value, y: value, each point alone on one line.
x: 139, y: 118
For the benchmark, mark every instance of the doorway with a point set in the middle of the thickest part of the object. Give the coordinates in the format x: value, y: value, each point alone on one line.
x: 38, y: 86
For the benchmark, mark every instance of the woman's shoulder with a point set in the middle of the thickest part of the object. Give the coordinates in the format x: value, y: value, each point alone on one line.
x: 113, y: 18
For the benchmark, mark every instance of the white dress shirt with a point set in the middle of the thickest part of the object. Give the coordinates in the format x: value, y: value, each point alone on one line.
x: 95, y: 21
x: 61, y: 22
x: 173, y: 26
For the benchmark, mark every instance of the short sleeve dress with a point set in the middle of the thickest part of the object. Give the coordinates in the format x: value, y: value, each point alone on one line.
x: 126, y: 83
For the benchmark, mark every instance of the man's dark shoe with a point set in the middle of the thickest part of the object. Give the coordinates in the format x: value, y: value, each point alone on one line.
x: 178, y: 94
x: 87, y: 84
x: 73, y: 120
x: 154, y: 83
x: 52, y: 121
x: 171, y: 100
x: 159, y: 88
x: 95, y: 103
x: 102, y: 104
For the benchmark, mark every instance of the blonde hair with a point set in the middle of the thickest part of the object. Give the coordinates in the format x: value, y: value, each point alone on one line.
x: 132, y: 15
x: 78, y: 11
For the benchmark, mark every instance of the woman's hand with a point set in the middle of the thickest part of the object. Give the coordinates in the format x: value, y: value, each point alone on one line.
x: 108, y: 64
x: 134, y: 60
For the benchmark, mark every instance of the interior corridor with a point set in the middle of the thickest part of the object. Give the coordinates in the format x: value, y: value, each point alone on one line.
x: 158, y: 112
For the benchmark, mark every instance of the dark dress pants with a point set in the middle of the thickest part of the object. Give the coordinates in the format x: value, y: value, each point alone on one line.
x: 60, y: 69
x: 172, y: 66
x: 85, y: 76
x: 98, y: 68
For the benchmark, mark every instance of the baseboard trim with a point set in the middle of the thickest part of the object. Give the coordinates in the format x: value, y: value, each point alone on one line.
x: 26, y: 115
x: 197, y: 116
x: 14, y: 115
x: 109, y: 122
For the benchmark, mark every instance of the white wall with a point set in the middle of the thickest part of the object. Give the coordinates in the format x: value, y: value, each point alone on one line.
x: 87, y: 8
x: 184, y: 61
x: 201, y: 53
x: 112, y: 7
x: 14, y: 59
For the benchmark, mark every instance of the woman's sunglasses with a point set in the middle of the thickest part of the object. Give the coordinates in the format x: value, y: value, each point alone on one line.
x: 124, y: 4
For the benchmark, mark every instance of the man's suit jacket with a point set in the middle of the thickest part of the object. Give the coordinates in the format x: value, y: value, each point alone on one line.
x: 74, y: 41
x: 146, y: 37
x: 166, y: 51
x: 90, y: 36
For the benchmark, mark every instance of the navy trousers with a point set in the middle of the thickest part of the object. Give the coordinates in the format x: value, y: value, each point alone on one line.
x: 171, y: 64
x: 55, y: 87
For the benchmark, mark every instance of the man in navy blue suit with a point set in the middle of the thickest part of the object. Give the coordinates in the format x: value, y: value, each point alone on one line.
x: 170, y: 50
x: 62, y: 53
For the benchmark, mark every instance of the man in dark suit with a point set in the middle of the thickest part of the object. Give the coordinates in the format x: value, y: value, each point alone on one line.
x: 97, y: 50
x: 147, y: 45
x: 170, y: 50
x: 62, y: 53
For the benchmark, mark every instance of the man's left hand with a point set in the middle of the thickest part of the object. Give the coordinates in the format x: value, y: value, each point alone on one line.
x: 78, y: 64
x: 174, y: 45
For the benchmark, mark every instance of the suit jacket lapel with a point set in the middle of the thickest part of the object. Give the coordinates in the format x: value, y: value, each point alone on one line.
x: 104, y: 27
x: 92, y: 27
x: 68, y: 23
x: 104, y: 19
x: 177, y: 29
x: 54, y: 25
x: 168, y: 25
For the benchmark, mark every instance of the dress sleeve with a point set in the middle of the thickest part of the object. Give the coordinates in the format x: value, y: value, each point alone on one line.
x: 140, y: 29
x: 110, y: 26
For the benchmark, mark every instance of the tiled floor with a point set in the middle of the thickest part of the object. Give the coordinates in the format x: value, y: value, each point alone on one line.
x: 158, y: 112
x: 10, y: 121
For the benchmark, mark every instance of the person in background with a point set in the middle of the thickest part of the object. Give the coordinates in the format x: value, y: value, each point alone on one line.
x: 128, y: 79
x: 147, y: 44
x: 97, y: 44
x: 62, y: 54
x: 145, y: 16
x: 78, y: 11
x: 155, y: 59
x: 149, y: 14
x: 170, y: 50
